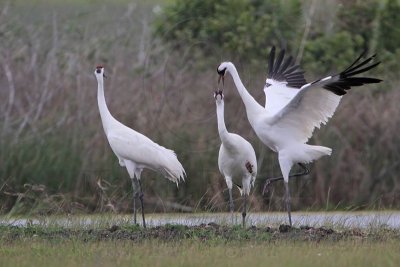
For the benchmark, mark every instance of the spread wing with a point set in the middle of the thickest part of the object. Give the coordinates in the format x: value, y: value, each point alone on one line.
x: 283, y: 82
x: 317, y: 101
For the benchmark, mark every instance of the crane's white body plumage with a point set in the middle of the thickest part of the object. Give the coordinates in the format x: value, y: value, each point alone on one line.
x: 142, y: 152
x: 232, y: 159
x: 277, y: 95
x: 235, y: 153
x: 286, y: 130
x: 294, y: 108
x: 134, y: 150
x: 236, y: 158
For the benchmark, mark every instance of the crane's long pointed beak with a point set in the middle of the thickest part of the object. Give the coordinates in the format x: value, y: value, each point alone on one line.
x: 221, y: 77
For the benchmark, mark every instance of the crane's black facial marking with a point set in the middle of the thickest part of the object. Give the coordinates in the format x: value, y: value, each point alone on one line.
x: 217, y: 93
x: 221, y: 72
x: 249, y: 167
x: 98, y: 70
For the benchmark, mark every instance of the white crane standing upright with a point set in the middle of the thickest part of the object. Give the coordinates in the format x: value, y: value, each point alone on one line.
x: 134, y: 150
x: 295, y: 108
x: 236, y: 158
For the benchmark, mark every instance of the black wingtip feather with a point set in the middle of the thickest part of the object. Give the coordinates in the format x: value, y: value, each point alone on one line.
x: 335, y: 89
x: 355, y: 61
x: 278, y: 62
x: 351, y: 69
x: 346, y: 80
x: 286, y: 64
x: 285, y: 70
x: 362, y: 70
x: 291, y: 69
x: 271, y: 61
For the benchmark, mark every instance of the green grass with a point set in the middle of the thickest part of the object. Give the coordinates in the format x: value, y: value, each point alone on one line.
x: 194, y: 253
x: 109, y: 241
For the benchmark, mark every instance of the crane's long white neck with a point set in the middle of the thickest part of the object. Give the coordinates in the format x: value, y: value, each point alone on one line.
x: 253, y: 108
x: 106, y: 117
x: 223, y: 132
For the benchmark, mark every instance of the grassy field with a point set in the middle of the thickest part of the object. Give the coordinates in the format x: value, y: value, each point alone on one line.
x: 124, y: 244
x: 39, y: 252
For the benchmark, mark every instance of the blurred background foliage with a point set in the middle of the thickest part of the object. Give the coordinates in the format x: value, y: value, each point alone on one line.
x: 161, y: 57
x: 244, y: 30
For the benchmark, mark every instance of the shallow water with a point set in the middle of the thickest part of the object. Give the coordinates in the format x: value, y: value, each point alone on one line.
x: 390, y: 219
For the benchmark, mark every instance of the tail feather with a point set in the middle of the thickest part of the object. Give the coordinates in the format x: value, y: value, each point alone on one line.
x: 172, y: 169
x: 300, y: 153
x: 304, y: 153
x: 315, y: 152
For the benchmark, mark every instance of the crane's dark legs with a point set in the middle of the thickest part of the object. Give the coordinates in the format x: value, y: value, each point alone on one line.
x: 135, y: 195
x: 231, y: 206
x: 287, y: 197
x: 275, y: 179
x: 141, y: 195
x: 244, y: 210
x: 288, y: 202
x: 134, y: 174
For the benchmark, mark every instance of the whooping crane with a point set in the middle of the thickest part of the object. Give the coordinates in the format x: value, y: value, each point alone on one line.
x: 295, y: 108
x: 134, y: 150
x: 236, y: 158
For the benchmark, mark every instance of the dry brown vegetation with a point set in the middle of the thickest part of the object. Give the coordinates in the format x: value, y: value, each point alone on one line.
x: 53, y: 153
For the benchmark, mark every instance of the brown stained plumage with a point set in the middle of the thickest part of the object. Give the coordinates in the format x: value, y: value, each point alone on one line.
x: 249, y: 167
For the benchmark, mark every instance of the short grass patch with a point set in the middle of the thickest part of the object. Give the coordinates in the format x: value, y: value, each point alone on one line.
x: 191, y: 252
x: 210, y: 244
